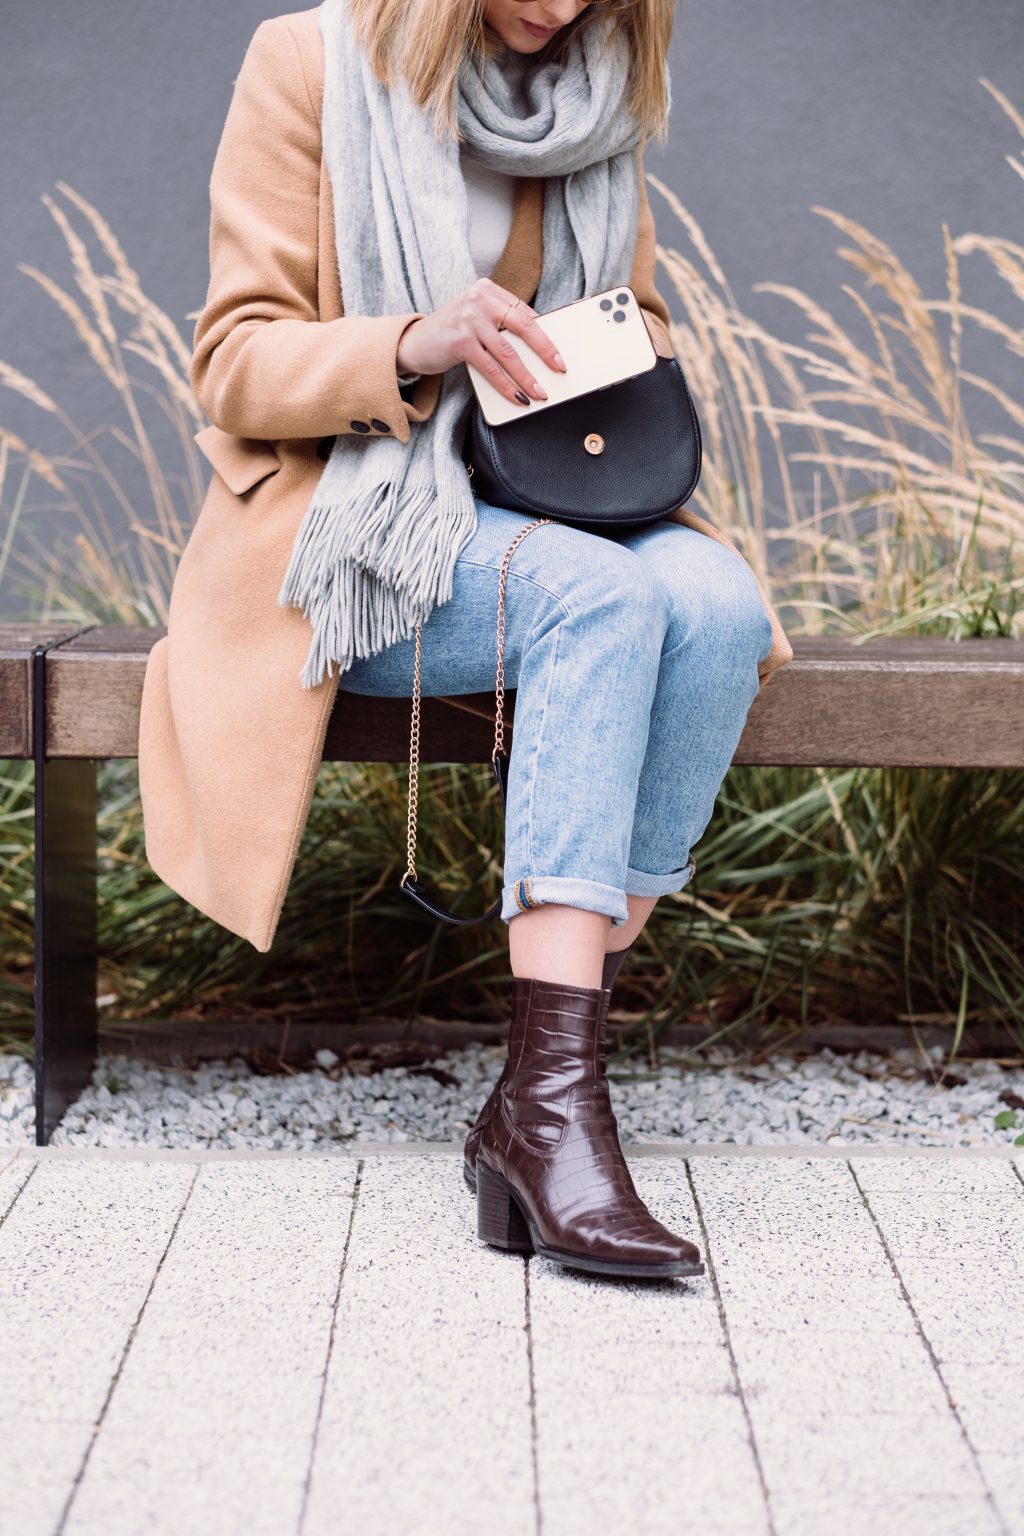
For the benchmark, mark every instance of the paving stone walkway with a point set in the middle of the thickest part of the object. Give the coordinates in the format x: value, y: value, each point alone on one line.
x: 232, y: 1344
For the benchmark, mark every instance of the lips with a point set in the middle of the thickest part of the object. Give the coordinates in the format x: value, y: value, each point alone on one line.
x: 536, y: 31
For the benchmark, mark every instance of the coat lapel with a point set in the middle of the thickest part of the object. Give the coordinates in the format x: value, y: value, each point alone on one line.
x: 520, y: 263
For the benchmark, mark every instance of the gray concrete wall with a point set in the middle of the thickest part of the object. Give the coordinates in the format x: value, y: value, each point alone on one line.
x: 871, y: 108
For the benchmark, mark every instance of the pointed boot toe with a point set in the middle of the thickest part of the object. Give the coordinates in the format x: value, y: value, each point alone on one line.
x: 648, y: 1246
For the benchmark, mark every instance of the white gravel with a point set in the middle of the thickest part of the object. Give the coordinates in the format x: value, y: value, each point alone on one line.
x: 865, y: 1098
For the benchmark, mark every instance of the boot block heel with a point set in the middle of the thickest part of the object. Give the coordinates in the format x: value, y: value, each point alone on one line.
x: 499, y: 1220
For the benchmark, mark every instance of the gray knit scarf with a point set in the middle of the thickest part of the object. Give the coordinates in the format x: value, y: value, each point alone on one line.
x: 376, y: 548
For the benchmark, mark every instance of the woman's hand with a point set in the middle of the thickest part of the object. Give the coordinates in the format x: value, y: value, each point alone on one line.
x: 465, y: 330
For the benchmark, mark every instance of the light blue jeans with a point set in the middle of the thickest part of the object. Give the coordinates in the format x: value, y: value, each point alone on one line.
x: 634, y: 660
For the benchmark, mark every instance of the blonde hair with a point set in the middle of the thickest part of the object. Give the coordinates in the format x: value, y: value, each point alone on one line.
x: 426, y: 40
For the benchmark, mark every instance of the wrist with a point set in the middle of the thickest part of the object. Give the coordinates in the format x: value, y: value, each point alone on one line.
x: 404, y: 362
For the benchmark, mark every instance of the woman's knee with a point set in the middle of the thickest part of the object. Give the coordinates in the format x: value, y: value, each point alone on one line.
x: 714, y: 600
x: 613, y: 581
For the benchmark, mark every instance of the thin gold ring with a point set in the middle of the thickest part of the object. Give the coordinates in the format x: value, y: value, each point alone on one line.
x: 501, y: 322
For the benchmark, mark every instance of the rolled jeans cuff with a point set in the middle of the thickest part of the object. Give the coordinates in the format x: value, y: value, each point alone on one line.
x: 638, y: 883
x: 537, y: 890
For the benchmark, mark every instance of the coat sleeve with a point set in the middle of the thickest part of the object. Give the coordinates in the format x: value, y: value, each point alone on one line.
x: 641, y: 281
x: 264, y: 365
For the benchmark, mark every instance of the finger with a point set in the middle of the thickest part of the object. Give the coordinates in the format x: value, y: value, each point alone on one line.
x: 523, y: 320
x: 478, y: 354
x: 505, y: 354
x: 511, y: 313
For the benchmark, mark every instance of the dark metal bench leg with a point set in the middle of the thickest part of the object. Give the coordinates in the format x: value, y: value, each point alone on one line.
x: 65, y: 922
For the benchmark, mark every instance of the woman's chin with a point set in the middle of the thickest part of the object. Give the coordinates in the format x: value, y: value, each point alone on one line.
x: 523, y: 44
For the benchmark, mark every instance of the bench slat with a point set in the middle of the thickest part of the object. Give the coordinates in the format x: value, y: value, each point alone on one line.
x: 914, y: 702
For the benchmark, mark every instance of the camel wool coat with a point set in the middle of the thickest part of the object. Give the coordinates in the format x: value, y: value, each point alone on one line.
x: 229, y: 741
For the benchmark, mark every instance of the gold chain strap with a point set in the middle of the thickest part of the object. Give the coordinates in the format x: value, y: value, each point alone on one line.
x: 499, y: 698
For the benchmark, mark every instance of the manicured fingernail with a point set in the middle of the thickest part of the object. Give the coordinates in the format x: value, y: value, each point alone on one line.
x: 560, y: 360
x: 522, y: 398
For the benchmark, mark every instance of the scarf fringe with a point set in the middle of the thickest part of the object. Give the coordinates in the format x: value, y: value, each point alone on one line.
x: 365, y: 574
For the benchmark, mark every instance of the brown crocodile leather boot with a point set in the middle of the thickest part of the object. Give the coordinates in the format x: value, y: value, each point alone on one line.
x: 613, y: 962
x: 551, y: 1178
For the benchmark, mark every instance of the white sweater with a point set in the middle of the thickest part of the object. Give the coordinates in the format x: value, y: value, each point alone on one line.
x: 491, y: 196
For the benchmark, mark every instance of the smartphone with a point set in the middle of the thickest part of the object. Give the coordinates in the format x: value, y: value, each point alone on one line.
x: 604, y: 339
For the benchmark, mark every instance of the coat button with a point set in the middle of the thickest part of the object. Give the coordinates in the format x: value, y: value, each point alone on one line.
x: 360, y: 426
x: 324, y: 446
x: 382, y: 426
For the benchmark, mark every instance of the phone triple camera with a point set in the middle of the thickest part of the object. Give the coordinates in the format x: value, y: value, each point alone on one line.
x: 620, y: 298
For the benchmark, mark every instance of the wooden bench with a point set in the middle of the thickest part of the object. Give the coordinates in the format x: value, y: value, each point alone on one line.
x: 70, y: 698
